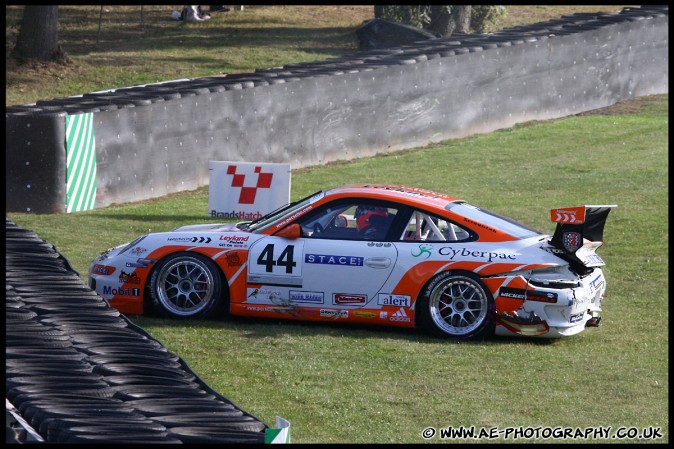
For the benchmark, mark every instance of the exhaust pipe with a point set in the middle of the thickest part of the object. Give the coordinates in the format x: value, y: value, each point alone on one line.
x: 593, y: 322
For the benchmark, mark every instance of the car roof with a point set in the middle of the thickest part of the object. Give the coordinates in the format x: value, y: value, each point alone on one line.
x: 425, y: 199
x: 392, y: 192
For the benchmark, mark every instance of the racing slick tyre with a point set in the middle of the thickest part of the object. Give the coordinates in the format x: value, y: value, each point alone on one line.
x: 187, y: 286
x: 458, y: 305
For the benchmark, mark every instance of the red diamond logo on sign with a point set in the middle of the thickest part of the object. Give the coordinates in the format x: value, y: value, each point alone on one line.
x: 247, y: 195
x: 247, y: 190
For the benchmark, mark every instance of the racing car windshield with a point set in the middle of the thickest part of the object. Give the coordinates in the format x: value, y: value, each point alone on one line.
x: 279, y: 214
x: 492, y: 219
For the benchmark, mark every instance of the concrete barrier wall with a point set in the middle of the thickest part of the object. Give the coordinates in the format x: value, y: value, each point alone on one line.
x: 155, y: 140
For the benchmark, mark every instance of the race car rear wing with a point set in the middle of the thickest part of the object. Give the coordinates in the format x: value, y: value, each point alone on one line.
x: 576, y: 224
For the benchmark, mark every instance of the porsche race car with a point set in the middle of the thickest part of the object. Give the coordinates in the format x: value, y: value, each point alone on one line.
x: 378, y: 254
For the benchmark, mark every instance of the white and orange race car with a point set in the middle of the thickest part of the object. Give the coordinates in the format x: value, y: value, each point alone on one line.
x: 379, y: 254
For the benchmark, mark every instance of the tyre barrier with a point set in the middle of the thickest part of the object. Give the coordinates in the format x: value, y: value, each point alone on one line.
x: 77, y: 371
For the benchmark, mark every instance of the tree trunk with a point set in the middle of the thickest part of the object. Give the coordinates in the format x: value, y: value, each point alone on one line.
x: 441, y: 21
x: 461, y: 15
x: 38, y: 36
x: 378, y: 11
x: 446, y: 22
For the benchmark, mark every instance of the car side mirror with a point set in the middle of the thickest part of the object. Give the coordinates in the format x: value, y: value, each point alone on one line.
x: 292, y: 231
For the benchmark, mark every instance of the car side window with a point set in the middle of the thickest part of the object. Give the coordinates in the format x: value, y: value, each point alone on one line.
x: 350, y: 221
x: 429, y: 228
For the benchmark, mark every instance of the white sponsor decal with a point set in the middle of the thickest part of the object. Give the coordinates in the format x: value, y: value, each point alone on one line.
x: 347, y: 298
x: 263, y: 294
x: 314, y: 297
x: 576, y: 317
x: 394, y: 300
x: 327, y: 259
x: 400, y: 315
x: 332, y: 313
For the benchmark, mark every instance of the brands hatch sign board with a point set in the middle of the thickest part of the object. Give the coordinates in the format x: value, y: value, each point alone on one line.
x: 247, y: 190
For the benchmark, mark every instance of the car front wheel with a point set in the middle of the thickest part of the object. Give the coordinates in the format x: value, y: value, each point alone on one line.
x: 186, y: 286
x: 457, y: 305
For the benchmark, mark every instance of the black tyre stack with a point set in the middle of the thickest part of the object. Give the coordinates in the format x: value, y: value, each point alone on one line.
x: 77, y: 371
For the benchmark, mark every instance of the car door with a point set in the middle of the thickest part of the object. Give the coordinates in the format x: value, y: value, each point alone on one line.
x: 344, y: 274
x: 342, y: 258
x: 348, y: 255
x: 318, y: 272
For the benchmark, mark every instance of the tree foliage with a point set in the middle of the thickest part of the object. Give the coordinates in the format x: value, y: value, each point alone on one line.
x: 443, y: 20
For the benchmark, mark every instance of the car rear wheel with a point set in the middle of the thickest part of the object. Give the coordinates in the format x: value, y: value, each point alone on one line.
x: 187, y: 286
x: 457, y: 305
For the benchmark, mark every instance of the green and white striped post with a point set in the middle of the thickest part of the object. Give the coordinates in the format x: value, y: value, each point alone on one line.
x: 280, y: 434
x: 81, y: 163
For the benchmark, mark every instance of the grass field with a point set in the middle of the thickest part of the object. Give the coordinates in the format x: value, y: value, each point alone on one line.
x: 345, y: 384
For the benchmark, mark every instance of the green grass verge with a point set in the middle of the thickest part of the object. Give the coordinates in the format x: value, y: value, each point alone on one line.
x: 349, y: 384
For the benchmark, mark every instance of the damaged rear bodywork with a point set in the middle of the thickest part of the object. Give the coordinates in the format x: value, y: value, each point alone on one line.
x: 559, y: 300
